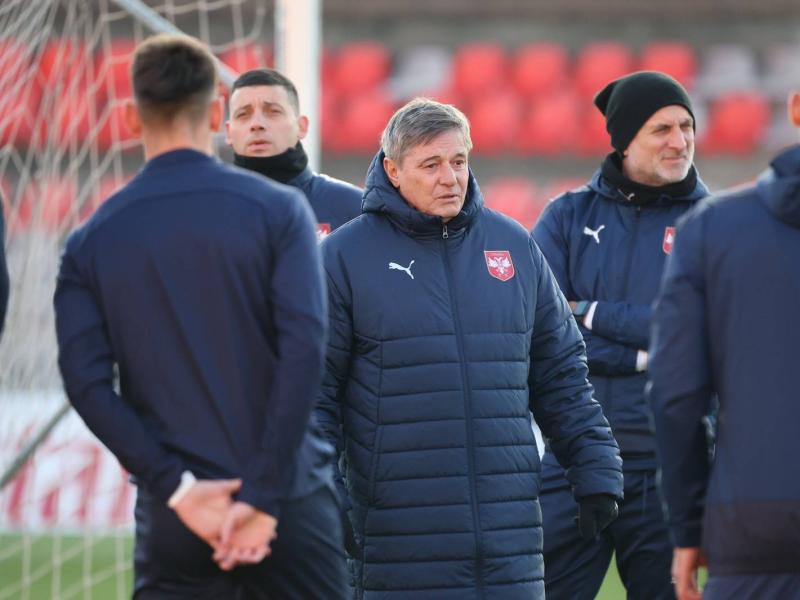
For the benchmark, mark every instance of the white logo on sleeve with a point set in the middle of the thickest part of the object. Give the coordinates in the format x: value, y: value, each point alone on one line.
x: 595, y: 233
x: 394, y: 266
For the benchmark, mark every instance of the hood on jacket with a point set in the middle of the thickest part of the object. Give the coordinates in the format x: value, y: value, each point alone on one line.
x: 779, y: 186
x: 602, y: 186
x: 380, y: 196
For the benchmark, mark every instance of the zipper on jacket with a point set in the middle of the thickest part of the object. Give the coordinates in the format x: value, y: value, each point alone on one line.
x: 445, y: 235
x: 473, y: 492
x: 626, y: 291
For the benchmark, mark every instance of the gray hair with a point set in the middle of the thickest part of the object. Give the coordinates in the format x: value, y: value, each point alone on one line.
x: 418, y: 122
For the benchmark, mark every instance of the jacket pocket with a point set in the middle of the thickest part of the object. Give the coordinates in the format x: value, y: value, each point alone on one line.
x: 373, y: 467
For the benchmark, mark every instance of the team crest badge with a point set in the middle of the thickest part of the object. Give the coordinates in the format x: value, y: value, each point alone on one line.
x: 669, y: 239
x: 499, y: 264
x: 323, y: 231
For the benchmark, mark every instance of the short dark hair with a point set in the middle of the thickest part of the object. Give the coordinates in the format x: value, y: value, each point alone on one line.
x: 173, y: 75
x: 268, y: 77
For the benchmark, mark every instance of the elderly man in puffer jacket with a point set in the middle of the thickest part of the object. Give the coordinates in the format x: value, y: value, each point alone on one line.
x: 447, y: 330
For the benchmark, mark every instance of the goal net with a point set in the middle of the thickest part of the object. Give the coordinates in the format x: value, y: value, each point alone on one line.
x: 66, y: 515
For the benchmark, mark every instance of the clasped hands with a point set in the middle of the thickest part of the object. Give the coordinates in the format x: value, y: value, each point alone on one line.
x: 239, y: 533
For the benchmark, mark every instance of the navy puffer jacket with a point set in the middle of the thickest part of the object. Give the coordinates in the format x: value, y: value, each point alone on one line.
x: 725, y: 324
x: 603, y: 247
x: 443, y: 339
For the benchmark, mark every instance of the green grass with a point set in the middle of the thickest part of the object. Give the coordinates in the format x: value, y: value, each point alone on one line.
x: 99, y: 568
x: 62, y: 567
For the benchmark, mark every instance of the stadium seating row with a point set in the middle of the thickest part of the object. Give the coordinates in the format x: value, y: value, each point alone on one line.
x: 535, y: 101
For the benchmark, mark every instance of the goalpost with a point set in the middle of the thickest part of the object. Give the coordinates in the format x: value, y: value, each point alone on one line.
x: 65, y: 503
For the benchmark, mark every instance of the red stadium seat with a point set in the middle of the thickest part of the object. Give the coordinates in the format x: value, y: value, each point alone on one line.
x: 593, y: 139
x: 48, y: 205
x: 598, y: 64
x: 551, y: 126
x: 330, y: 121
x: 673, y: 58
x: 480, y: 69
x: 737, y: 123
x: 19, y: 103
x: 516, y: 197
x: 112, y: 68
x: 558, y: 186
x: 495, y: 122
x: 361, y: 67
x: 63, y: 59
x: 363, y: 119
x: 245, y: 57
x: 540, y: 69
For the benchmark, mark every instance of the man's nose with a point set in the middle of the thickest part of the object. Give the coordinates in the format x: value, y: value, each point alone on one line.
x: 447, y: 175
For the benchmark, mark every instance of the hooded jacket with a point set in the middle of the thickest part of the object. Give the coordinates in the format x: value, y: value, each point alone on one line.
x: 333, y: 201
x: 726, y: 324
x: 444, y: 338
x: 604, y: 247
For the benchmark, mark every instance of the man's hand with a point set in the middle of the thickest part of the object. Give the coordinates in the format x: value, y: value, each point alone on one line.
x: 572, y: 305
x: 595, y: 513
x: 245, y: 536
x: 205, y: 505
x: 685, y: 563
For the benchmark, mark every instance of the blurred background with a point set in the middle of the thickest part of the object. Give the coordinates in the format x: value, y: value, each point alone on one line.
x: 523, y: 71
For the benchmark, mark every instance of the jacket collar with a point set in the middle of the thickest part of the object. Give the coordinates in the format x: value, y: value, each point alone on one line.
x: 175, y: 157
x: 669, y: 194
x: 381, y: 197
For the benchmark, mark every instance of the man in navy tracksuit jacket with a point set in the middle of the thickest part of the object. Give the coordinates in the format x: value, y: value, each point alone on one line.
x: 606, y: 243
x: 446, y: 330
x: 202, y: 284
x: 725, y: 324
x: 265, y: 128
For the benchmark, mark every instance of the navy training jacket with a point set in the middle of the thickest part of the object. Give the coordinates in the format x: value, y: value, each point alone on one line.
x: 726, y: 323
x: 602, y: 247
x: 443, y: 339
x: 333, y: 201
x: 203, y: 283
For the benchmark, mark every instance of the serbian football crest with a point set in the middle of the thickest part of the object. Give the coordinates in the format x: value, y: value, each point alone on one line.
x: 499, y: 264
x: 323, y: 231
x: 669, y: 239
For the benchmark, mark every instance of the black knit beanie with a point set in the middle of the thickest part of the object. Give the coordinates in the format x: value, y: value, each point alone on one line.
x: 628, y: 102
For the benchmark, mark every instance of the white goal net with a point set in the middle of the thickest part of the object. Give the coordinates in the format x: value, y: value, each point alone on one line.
x: 66, y: 515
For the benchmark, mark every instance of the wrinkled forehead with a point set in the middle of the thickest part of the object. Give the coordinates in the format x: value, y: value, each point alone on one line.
x: 445, y: 145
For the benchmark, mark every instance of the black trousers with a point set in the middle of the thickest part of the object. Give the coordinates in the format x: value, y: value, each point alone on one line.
x: 574, y: 569
x: 307, y: 560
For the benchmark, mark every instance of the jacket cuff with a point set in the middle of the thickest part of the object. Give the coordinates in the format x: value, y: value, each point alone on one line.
x: 165, y: 484
x: 687, y: 536
x: 266, y: 501
x: 630, y: 360
x: 598, y: 480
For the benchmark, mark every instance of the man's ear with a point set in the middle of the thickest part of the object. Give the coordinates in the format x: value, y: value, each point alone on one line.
x: 216, y: 114
x: 302, y: 127
x: 391, y: 171
x: 794, y: 108
x: 132, y: 119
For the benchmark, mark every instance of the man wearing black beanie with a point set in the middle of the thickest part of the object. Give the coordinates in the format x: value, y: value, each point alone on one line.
x: 606, y: 243
x: 265, y: 129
